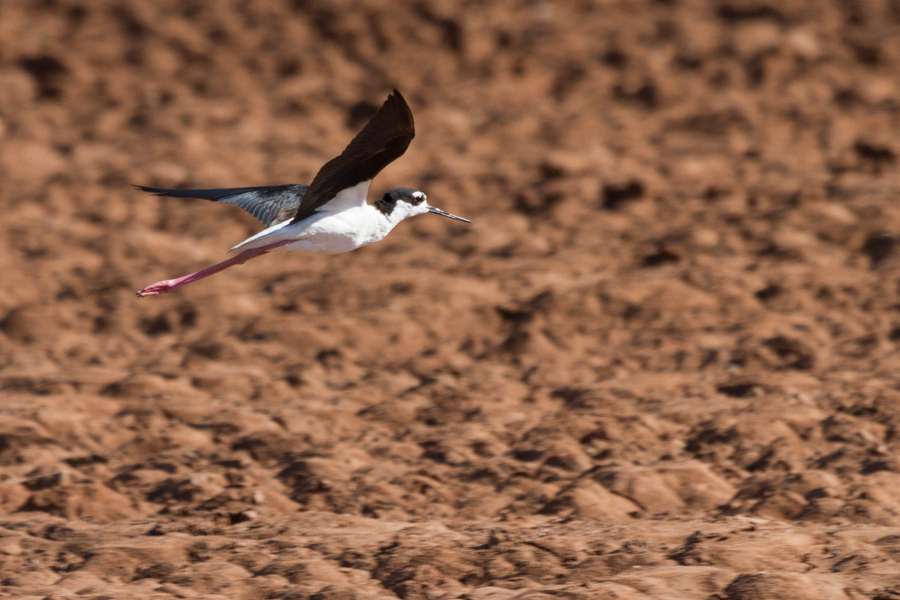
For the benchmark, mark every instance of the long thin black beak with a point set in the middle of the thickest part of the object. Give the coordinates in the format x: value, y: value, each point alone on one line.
x: 438, y: 211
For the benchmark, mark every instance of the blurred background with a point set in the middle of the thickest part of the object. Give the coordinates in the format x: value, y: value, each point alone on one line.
x: 676, y: 311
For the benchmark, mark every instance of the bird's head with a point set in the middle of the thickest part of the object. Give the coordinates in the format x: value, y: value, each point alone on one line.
x: 402, y: 203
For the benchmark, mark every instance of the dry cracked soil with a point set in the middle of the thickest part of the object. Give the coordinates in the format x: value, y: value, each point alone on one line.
x: 661, y: 364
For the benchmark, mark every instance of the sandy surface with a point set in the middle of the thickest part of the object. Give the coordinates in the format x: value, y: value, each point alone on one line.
x: 662, y: 362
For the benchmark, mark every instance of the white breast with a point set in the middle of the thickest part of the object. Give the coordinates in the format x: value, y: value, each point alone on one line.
x: 334, y: 233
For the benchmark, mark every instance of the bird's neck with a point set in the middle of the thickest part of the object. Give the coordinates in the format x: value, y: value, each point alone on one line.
x: 376, y: 224
x: 391, y: 217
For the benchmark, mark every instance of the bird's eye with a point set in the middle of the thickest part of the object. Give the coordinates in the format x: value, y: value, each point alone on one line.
x: 418, y: 197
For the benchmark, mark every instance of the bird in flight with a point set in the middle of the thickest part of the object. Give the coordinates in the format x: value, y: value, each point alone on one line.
x: 331, y: 214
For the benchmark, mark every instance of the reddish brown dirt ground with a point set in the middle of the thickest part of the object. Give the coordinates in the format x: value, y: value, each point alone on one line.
x: 662, y: 362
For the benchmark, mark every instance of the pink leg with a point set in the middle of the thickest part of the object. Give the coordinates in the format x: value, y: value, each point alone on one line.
x: 167, y: 285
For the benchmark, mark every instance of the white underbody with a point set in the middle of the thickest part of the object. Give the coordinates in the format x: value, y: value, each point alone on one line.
x: 345, y: 223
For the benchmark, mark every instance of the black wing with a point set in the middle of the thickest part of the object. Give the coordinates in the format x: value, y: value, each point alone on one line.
x: 383, y: 140
x: 270, y: 204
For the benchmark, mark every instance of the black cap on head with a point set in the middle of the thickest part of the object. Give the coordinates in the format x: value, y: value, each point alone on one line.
x: 413, y: 197
x: 405, y: 194
x: 391, y: 198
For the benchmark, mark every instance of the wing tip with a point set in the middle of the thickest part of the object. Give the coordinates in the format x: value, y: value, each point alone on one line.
x: 150, y: 190
x: 396, y: 101
x: 396, y: 96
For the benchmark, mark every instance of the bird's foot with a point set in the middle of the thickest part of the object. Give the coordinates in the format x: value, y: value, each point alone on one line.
x: 162, y: 287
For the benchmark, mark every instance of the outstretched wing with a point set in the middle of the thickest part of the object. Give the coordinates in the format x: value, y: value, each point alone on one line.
x: 270, y: 204
x: 383, y: 140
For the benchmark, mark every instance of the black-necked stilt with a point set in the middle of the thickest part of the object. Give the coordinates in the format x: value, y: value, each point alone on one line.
x: 331, y: 214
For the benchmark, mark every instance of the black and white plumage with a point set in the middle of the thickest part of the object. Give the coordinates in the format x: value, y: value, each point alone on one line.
x: 330, y: 215
x: 383, y: 140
